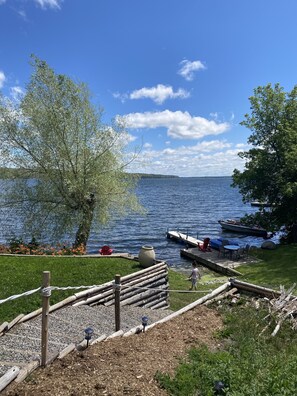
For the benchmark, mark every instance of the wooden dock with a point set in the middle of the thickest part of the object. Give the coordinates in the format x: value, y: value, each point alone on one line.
x: 212, y: 261
x: 183, y: 238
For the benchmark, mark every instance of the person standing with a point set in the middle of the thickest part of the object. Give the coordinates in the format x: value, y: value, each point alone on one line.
x: 194, y: 276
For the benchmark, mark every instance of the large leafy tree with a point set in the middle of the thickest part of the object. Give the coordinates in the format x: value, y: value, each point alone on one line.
x: 270, y: 172
x: 71, y: 167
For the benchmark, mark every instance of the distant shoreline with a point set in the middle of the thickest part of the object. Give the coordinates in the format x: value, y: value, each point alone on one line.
x: 6, y: 173
x: 152, y: 176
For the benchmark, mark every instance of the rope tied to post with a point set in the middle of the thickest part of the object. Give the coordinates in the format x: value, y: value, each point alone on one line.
x: 116, y: 286
x: 46, y: 291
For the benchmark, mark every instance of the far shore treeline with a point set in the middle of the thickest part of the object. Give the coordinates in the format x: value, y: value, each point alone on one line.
x: 7, y: 173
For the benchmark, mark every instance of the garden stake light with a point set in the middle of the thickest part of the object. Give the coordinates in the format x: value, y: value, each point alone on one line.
x: 219, y: 388
x: 144, y: 322
x: 88, y: 334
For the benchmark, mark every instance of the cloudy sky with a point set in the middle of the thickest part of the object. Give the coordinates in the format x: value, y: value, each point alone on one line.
x: 180, y: 72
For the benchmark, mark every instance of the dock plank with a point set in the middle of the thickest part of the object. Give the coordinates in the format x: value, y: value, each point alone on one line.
x: 183, y: 238
x: 212, y: 261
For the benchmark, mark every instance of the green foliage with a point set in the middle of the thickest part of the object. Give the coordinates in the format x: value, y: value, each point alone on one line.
x: 18, y: 246
x: 270, y: 173
x: 249, y: 365
x: 72, y: 164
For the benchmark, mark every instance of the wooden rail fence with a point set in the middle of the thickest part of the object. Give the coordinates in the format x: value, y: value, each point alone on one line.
x: 145, y: 288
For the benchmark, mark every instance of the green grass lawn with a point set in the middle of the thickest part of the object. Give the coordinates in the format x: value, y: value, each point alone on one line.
x: 276, y: 267
x: 179, y: 282
x: 20, y: 274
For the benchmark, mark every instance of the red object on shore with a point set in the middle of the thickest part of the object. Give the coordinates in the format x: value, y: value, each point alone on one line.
x: 205, y: 247
x: 105, y: 250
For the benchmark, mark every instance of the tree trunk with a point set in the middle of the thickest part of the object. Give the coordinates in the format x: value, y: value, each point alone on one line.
x: 83, y: 232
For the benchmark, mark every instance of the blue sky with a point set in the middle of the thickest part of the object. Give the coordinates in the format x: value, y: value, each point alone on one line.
x: 180, y: 72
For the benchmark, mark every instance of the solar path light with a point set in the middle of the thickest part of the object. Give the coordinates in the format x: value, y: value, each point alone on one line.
x: 219, y: 388
x: 144, y: 322
x: 88, y: 334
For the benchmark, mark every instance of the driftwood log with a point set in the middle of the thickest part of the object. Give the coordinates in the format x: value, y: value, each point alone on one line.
x: 285, y: 307
x: 221, y: 296
x: 255, y: 289
x: 282, y: 308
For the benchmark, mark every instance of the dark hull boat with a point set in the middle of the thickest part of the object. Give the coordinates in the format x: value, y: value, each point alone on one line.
x: 261, y: 204
x: 236, y: 226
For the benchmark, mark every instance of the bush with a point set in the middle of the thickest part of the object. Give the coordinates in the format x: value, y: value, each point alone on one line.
x: 18, y: 246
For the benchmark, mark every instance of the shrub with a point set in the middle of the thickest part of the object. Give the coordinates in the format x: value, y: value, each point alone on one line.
x: 18, y: 246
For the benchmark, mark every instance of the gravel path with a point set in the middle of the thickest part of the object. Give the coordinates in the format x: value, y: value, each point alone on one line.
x: 22, y: 343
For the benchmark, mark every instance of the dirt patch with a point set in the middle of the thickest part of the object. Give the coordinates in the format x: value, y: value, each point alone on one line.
x: 124, y: 366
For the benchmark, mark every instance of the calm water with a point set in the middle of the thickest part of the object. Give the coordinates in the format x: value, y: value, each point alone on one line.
x: 192, y: 205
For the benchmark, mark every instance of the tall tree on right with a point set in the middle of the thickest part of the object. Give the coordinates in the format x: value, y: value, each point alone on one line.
x: 270, y: 171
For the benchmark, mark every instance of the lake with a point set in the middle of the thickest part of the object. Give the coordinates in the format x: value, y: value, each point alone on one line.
x: 190, y: 205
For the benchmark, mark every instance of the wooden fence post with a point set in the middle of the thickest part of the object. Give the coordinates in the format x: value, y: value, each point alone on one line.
x: 117, y: 302
x: 45, y: 314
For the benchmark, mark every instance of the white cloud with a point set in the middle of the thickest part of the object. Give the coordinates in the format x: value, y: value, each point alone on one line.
x: 49, y: 3
x: 213, y: 158
x: 16, y: 93
x: 2, y: 78
x: 212, y: 146
x: 208, y: 146
x: 159, y: 93
x: 147, y: 145
x: 130, y: 138
x: 189, y: 68
x: 44, y: 4
x: 180, y: 125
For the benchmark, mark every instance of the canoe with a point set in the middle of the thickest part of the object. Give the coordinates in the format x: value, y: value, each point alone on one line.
x: 236, y: 226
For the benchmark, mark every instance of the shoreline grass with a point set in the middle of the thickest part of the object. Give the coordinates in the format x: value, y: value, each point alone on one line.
x: 20, y: 274
x: 276, y: 267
